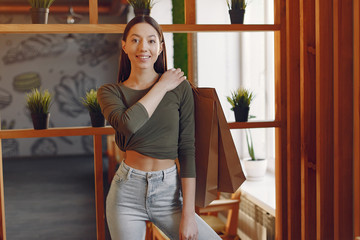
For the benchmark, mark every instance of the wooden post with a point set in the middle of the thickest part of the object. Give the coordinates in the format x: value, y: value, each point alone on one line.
x: 190, y: 18
x: 308, y: 120
x: 293, y: 119
x: 343, y: 122
x: 99, y: 189
x: 2, y: 205
x: 356, y: 118
x: 324, y: 119
x: 281, y: 221
x: 93, y: 12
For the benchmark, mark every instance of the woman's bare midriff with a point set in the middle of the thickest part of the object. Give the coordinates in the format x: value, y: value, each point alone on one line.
x: 145, y: 163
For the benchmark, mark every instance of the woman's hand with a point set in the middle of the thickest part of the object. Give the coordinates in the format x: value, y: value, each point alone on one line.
x: 188, y: 228
x: 171, y: 79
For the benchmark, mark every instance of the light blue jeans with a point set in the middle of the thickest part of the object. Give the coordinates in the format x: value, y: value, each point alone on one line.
x: 136, y: 196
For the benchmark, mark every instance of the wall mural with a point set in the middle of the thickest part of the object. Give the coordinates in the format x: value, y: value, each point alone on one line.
x: 94, y: 48
x: 69, y: 92
x: 67, y: 68
x: 36, y: 46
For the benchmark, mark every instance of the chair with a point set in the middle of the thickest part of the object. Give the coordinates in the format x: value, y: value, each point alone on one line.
x: 209, y: 214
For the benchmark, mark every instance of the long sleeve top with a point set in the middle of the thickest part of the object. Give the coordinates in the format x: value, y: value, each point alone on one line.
x: 168, y: 134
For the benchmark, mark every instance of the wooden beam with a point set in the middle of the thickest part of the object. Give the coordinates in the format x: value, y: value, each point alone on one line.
x: 293, y: 119
x: 324, y: 119
x: 55, y: 132
x: 93, y: 12
x: 53, y: 9
x: 356, y: 118
x: 343, y: 122
x: 99, y: 190
x: 2, y: 199
x: 281, y: 221
x: 119, y: 28
x: 190, y: 18
x: 308, y: 120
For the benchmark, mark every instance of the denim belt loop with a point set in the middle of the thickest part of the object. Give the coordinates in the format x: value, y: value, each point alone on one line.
x: 129, y: 174
x: 164, y: 175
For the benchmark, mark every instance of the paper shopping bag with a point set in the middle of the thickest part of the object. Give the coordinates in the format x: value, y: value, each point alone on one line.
x: 230, y: 174
x: 206, y: 149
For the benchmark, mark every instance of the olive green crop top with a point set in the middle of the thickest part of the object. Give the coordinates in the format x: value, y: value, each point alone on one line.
x: 168, y: 134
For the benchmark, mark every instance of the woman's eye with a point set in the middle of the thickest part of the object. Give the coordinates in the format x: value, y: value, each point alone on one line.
x: 152, y: 41
x: 135, y: 40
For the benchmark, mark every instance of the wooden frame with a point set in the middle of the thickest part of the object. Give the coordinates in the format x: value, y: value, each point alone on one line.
x: 356, y: 7
x: 343, y: 122
x: 190, y: 27
x: 324, y: 119
x: 308, y: 119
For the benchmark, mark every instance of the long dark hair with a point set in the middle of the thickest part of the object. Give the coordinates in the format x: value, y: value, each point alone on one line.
x: 160, y: 66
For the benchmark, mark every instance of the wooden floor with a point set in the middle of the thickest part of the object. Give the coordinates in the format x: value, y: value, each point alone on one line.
x: 50, y: 198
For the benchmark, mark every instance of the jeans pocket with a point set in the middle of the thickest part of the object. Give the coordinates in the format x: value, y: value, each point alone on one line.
x: 120, y: 175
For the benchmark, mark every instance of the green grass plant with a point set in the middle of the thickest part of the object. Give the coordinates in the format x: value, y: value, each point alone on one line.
x: 90, y: 101
x: 236, y: 4
x: 241, y: 97
x: 141, y: 4
x: 38, y: 102
x: 41, y: 3
x: 250, y: 145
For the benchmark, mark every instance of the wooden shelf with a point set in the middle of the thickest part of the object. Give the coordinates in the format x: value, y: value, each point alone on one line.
x: 80, y: 131
x: 119, y: 28
x: 266, y: 124
x: 55, y: 132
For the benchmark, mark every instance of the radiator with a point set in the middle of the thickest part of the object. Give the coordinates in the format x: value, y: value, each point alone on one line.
x: 254, y: 222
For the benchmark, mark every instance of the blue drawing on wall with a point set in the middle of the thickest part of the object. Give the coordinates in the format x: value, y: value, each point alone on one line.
x: 94, y: 49
x: 39, y: 45
x: 69, y: 92
x: 44, y: 147
x: 5, y: 98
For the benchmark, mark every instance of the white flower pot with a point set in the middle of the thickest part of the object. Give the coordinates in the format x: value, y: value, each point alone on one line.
x: 254, y: 169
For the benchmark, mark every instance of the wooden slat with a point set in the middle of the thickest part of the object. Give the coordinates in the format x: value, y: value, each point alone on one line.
x: 265, y: 124
x: 2, y: 199
x: 99, y: 191
x: 343, y: 122
x: 190, y: 18
x: 93, y: 12
x: 308, y: 120
x: 357, y: 118
x: 55, y: 132
x: 324, y: 119
x: 293, y: 119
x: 119, y: 28
x: 25, y: 9
x: 280, y: 115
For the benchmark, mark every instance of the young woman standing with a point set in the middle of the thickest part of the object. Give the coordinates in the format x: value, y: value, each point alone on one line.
x: 152, y: 111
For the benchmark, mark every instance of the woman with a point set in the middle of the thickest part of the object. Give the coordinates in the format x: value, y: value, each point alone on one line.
x: 152, y: 111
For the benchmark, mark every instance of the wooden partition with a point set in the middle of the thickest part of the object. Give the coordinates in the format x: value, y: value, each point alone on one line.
x: 308, y: 119
x: 324, y: 119
x: 356, y: 118
x: 343, y: 122
x: 293, y: 119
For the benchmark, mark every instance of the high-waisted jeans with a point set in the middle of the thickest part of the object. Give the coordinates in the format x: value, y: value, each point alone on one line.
x: 136, y: 196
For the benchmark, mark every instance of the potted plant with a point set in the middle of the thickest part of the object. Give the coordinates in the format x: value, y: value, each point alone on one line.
x: 39, y: 104
x: 255, y: 168
x: 236, y: 10
x: 40, y: 10
x: 141, y: 7
x: 90, y: 101
x: 240, y: 101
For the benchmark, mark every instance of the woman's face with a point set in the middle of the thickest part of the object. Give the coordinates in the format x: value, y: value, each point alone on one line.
x: 142, y: 46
